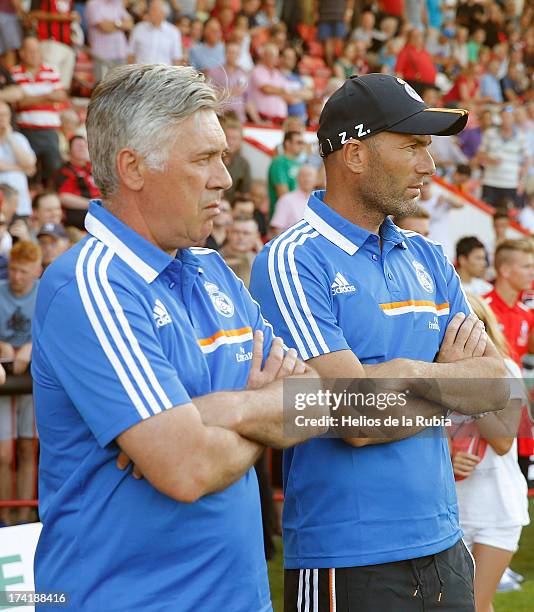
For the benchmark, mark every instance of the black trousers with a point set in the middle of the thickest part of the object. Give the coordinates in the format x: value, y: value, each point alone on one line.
x: 441, y: 582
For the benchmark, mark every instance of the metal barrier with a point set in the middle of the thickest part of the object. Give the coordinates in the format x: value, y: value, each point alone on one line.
x: 14, y: 386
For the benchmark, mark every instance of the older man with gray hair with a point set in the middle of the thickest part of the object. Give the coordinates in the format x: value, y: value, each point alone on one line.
x: 158, y: 362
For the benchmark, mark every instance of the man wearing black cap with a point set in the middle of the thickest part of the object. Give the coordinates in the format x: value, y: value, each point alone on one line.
x: 53, y: 241
x: 372, y: 524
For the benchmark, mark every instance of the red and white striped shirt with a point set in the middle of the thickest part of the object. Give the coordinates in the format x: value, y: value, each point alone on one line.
x: 42, y: 116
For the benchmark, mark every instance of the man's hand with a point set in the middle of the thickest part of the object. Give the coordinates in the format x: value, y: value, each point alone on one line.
x: 20, y: 230
x: 463, y: 464
x: 6, y: 132
x: 277, y: 364
x: 465, y: 337
x: 2, y: 375
x: 123, y: 461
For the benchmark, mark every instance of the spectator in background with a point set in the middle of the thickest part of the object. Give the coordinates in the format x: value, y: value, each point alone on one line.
x: 332, y: 17
x: 414, y: 63
x: 221, y: 223
x: 366, y: 31
x: 460, y: 50
x: 526, y: 216
x: 447, y: 154
x: 17, y: 307
x: 210, y: 52
x: 268, y: 93
x: 17, y: 160
x: 75, y: 185
x: 461, y: 179
x: 260, y: 197
x: 505, y: 157
x: 237, y: 165
x: 514, y: 266
x: 10, y: 32
x: 53, y: 241
x: 3, y: 252
x: 155, y: 40
x: 283, y: 170
x: 54, y: 21
x: 466, y: 88
x: 474, y: 44
x: 70, y: 126
x: 243, y: 207
x: 299, y: 91
x: 46, y: 208
x: 37, y: 114
x: 513, y: 84
x: 525, y: 125
x: 108, y: 22
x: 472, y: 264
x: 439, y: 207
x: 241, y: 36
x: 344, y: 66
x: 250, y: 12
x: 268, y: 15
x: 231, y: 78
x: 17, y: 227
x: 470, y: 138
x: 290, y: 207
x: 240, y: 248
x: 9, y: 91
x: 492, y: 493
x: 417, y: 219
x: 490, y: 86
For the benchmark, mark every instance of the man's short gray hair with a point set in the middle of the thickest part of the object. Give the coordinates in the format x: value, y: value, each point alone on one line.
x: 139, y: 107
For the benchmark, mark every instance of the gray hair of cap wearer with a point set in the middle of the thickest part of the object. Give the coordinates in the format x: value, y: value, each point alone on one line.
x: 139, y: 107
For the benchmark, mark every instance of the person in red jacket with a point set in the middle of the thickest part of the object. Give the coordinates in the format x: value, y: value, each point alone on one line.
x: 514, y: 266
x: 414, y: 63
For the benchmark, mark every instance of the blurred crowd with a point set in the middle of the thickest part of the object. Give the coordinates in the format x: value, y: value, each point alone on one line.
x: 277, y: 63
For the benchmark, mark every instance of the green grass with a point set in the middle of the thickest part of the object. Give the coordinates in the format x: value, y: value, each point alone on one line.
x: 517, y: 601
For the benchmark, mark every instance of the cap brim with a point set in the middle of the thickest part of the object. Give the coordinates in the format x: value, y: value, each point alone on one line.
x: 433, y: 122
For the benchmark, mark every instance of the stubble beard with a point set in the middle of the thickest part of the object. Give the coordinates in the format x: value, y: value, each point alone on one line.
x: 380, y: 193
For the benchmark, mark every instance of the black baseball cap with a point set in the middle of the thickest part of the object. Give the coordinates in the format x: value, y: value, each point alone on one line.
x: 372, y: 103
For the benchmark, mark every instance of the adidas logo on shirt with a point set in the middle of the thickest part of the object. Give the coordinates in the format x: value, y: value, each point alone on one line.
x: 341, y: 285
x: 160, y: 314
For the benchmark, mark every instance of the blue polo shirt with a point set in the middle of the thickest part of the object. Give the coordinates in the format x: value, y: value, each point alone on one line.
x: 123, y: 331
x: 326, y: 286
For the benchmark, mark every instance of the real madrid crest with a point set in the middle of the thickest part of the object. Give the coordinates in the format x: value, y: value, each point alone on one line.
x: 223, y: 304
x: 424, y: 278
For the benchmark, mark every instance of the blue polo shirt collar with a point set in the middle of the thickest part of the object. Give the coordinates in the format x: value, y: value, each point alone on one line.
x: 342, y: 232
x: 144, y: 258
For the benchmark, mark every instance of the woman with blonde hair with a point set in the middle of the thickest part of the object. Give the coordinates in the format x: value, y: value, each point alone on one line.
x: 492, y: 492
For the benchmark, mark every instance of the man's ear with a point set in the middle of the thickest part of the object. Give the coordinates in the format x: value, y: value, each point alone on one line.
x: 130, y: 168
x: 354, y: 153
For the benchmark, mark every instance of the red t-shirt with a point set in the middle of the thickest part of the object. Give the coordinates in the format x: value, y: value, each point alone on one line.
x: 393, y: 7
x: 54, y: 30
x: 416, y: 65
x: 516, y: 324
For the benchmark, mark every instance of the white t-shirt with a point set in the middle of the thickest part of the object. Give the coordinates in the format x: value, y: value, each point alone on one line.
x: 156, y: 45
x: 511, y: 153
x: 438, y: 231
x: 478, y: 286
x: 526, y: 218
x: 16, y: 178
x: 495, y: 494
